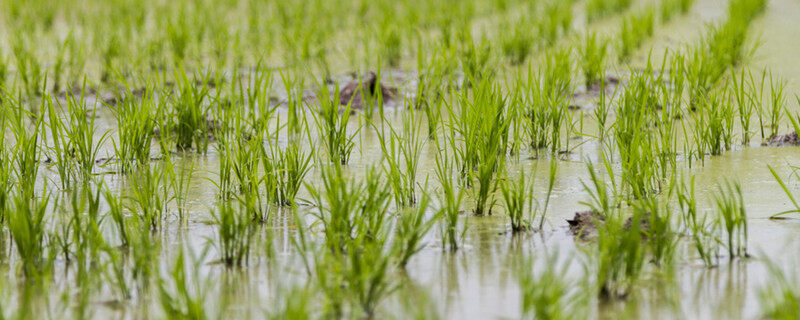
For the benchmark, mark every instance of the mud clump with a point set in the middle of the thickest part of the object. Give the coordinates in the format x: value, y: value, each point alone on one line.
x: 584, y: 223
x: 783, y: 140
x: 354, y: 92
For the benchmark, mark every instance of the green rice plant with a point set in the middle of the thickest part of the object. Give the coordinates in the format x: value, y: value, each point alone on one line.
x: 776, y: 104
x: 636, y: 139
x: 181, y: 292
x: 292, y: 165
x: 550, y: 293
x: 677, y: 78
x: 602, y: 109
x: 557, y: 72
x: 178, y: 179
x: 342, y: 204
x: 474, y: 57
x: 556, y: 22
x: 597, y: 9
x: 118, y: 217
x: 779, y: 298
x: 147, y: 201
x: 518, y: 44
x: 234, y: 234
x: 602, y: 200
x: 367, y: 275
x: 239, y: 172
x: 81, y: 133
x: 490, y: 161
x: 449, y: 202
x: 704, y: 233
x: 29, y: 67
x: 3, y: 70
x: 744, y: 103
x: 401, y: 154
x: 731, y: 210
x: 620, y: 254
x: 635, y: 29
x: 332, y: 127
x: 518, y: 200
x: 27, y: 226
x: 26, y: 152
x: 136, y: 129
x: 190, y: 113
x: 61, y: 148
x: 551, y: 179
x: 714, y: 122
x: 661, y: 238
x: 411, y: 227
x: 788, y: 192
x: 593, y: 51
x: 668, y: 8
x: 546, y: 110
x: 392, y: 44
x: 431, y: 84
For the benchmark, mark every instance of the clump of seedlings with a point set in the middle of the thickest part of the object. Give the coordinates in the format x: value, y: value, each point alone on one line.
x: 593, y: 52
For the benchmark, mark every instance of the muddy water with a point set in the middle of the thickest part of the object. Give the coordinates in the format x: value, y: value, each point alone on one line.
x: 478, y: 282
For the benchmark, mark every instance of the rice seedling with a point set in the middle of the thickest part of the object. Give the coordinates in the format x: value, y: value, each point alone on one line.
x: 550, y: 293
x: 593, y: 52
x: 551, y: 179
x: 546, y: 110
x: 136, y: 130
x: 668, y: 8
x: 635, y: 139
x: 788, y: 193
x: 657, y: 227
x: 26, y: 152
x: 234, y: 234
x: 148, y: 203
x: 780, y: 295
x: 26, y: 226
x: 634, y: 30
x: 518, y: 201
x: 118, y: 217
x: 714, y: 121
x: 490, y: 164
x: 28, y: 66
x: 744, y: 103
x: 776, y: 104
x: 190, y: 113
x: 61, y: 146
x: 292, y: 165
x: 597, y: 9
x: 731, y: 210
x: 557, y: 21
x: 178, y: 180
x: 345, y: 206
x: 332, y: 127
x: 412, y: 226
x: 518, y: 44
x: 182, y: 293
x: 620, y: 254
x: 704, y: 233
x: 449, y: 202
x: 401, y: 154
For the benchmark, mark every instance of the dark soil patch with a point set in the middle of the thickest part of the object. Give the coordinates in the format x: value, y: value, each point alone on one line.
x: 358, y: 94
x: 784, y: 140
x: 584, y: 223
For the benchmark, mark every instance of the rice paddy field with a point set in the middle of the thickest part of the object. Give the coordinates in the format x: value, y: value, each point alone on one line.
x: 397, y: 159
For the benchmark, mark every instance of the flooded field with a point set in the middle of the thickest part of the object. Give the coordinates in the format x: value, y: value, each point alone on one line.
x: 503, y: 159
